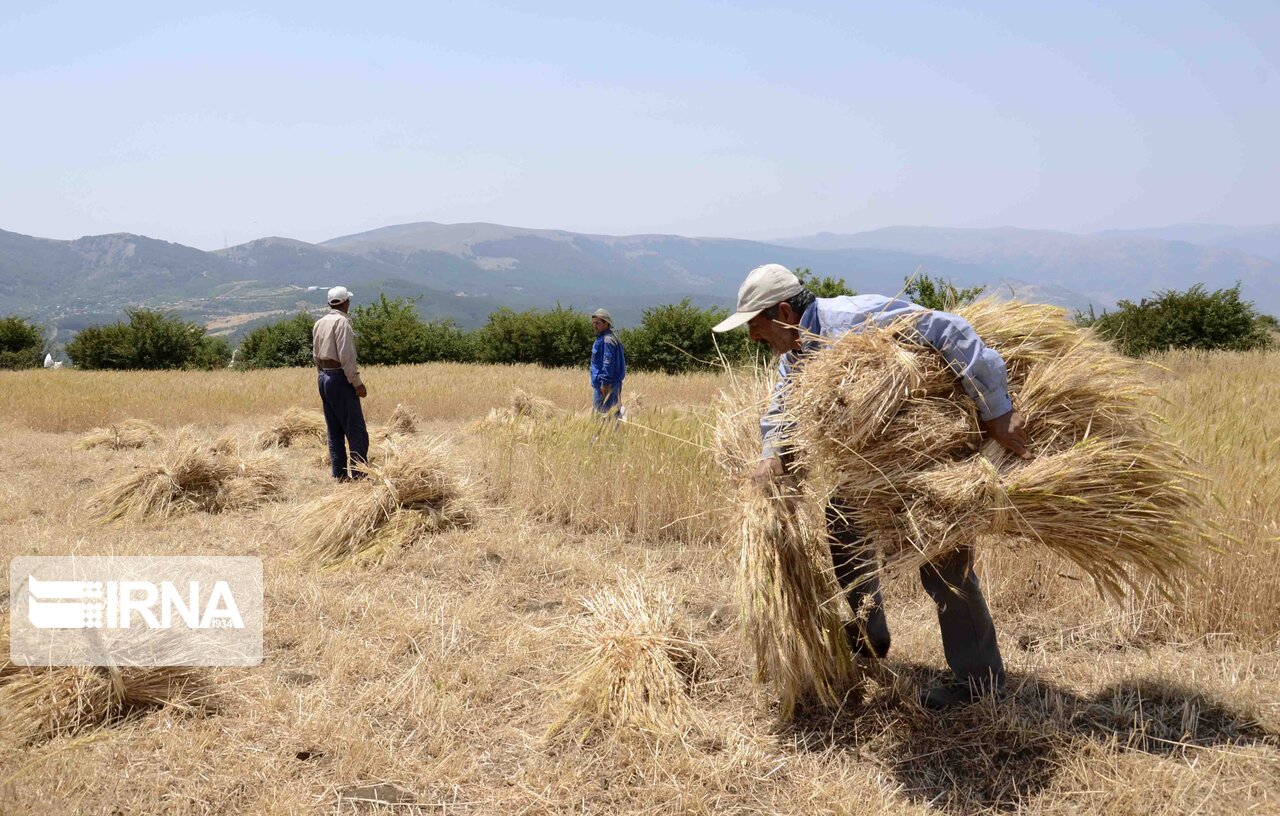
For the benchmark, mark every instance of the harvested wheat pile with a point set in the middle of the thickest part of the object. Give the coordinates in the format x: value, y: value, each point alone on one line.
x: 523, y: 405
x: 635, y: 677
x: 189, y: 476
x: 295, y: 425
x: 132, y: 433
x: 883, y: 418
x: 39, y: 704
x: 403, y: 421
x: 414, y: 492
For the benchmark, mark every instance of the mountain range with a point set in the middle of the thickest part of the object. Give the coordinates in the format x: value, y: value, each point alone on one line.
x: 464, y: 271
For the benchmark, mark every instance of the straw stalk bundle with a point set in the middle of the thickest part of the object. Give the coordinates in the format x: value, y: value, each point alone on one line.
x: 403, y: 421
x: 416, y: 491
x: 636, y: 674
x: 295, y: 424
x: 40, y: 703
x: 189, y: 476
x: 786, y: 588
x: 790, y: 598
x: 884, y: 418
x: 132, y: 433
x: 523, y: 405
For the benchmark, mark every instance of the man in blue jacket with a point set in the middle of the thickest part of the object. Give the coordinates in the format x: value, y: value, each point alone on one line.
x: 608, y: 365
x: 778, y: 312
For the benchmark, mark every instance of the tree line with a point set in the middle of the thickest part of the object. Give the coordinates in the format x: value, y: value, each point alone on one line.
x: 672, y: 338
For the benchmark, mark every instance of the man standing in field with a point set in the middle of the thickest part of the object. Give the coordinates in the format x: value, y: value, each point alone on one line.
x: 778, y: 312
x: 608, y: 365
x: 333, y: 349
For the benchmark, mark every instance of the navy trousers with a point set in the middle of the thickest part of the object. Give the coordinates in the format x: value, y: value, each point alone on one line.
x: 968, y: 633
x: 345, y: 418
x: 607, y: 405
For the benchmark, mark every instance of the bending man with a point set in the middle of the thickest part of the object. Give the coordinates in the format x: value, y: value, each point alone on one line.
x: 778, y: 311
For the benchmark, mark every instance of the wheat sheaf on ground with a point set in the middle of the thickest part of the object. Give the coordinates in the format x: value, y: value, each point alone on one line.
x: 189, y: 475
x: 636, y: 673
x: 294, y: 425
x: 131, y: 433
x: 415, y: 491
x: 882, y: 415
x: 404, y: 421
x: 41, y: 703
x: 524, y: 405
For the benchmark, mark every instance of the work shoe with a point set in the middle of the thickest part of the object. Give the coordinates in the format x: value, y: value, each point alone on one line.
x: 959, y: 693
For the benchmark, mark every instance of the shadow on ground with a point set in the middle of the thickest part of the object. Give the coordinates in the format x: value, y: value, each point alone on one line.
x: 995, y: 756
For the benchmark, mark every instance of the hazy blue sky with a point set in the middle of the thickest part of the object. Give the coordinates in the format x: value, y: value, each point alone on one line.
x: 312, y: 120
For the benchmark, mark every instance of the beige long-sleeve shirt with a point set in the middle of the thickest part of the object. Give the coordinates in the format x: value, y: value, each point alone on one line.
x: 332, y: 338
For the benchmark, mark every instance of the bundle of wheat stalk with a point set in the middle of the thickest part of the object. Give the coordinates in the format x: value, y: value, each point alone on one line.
x: 790, y: 599
x: 415, y: 491
x: 636, y: 674
x: 403, y: 421
x: 296, y: 424
x: 787, y: 590
x: 132, y: 433
x: 524, y: 405
x: 881, y: 415
x: 39, y: 703
x: 189, y: 476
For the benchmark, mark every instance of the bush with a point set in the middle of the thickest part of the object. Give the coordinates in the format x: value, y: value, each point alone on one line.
x: 152, y: 339
x: 560, y: 337
x: 939, y: 294
x: 1194, y: 319
x: 283, y: 344
x: 677, y: 337
x: 391, y: 332
x: 21, y: 343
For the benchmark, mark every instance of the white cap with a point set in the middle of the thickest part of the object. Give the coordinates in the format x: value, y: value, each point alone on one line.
x: 339, y: 294
x: 604, y: 315
x: 764, y: 288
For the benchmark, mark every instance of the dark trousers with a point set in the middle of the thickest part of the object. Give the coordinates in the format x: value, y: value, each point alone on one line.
x: 609, y: 404
x: 968, y: 634
x: 343, y: 415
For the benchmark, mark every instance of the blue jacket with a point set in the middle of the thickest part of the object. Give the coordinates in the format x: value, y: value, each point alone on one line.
x: 980, y: 369
x: 608, y: 362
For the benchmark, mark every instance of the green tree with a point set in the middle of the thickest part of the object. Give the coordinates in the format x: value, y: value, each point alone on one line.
x: 559, y: 337
x: 21, y: 343
x: 938, y: 293
x: 823, y: 287
x: 1195, y: 319
x: 103, y: 347
x: 152, y: 339
x: 389, y: 331
x: 445, y: 340
x: 677, y: 337
x: 285, y: 343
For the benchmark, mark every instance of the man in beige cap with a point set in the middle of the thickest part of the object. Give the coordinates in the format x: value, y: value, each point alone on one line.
x: 608, y: 365
x: 333, y: 349
x: 779, y: 312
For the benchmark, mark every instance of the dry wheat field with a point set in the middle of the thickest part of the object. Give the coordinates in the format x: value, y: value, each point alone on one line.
x: 469, y: 671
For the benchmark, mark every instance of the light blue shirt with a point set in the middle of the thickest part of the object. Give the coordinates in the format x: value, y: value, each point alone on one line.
x: 980, y: 369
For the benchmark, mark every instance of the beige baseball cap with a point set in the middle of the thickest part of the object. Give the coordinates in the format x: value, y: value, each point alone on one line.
x: 766, y: 286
